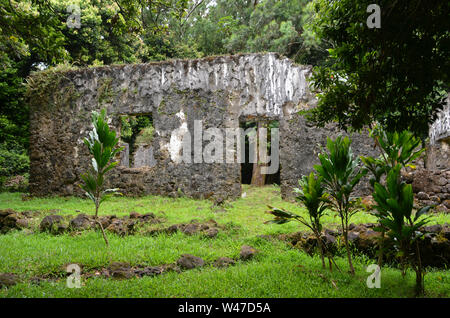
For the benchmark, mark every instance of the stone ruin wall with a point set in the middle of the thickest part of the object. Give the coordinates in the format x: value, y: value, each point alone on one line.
x: 431, y: 179
x: 438, y: 152
x: 220, y: 91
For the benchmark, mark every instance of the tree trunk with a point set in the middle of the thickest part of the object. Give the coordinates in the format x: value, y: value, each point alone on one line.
x: 380, y: 251
x: 349, y: 256
x: 259, y: 179
x: 101, y: 226
x: 319, y: 241
x: 420, y: 288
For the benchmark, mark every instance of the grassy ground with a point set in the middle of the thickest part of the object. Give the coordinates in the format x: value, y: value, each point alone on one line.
x: 277, y: 271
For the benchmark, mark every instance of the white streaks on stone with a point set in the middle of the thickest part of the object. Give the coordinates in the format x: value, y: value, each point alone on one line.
x: 440, y: 129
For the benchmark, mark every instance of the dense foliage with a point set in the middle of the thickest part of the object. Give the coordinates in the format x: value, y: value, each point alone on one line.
x: 37, y: 34
x: 396, y: 74
x: 395, y: 206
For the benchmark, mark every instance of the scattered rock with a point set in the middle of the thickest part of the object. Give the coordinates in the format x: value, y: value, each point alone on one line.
x: 422, y: 196
x: 121, y: 270
x: 147, y: 216
x: 8, y: 280
x: 10, y: 220
x: 122, y: 274
x: 432, y: 228
x: 367, y: 241
x: 224, y: 262
x: 22, y: 223
x: 212, y: 232
x: 170, y: 268
x: 329, y: 239
x: 6, y: 212
x: 118, y: 227
x: 81, y: 222
x: 188, y: 261
x: 333, y: 232
x: 247, y: 252
x: 209, y: 228
x: 53, y: 224
x: 149, y: 271
x: 434, y: 248
x: 352, y: 236
x: 105, y: 221
x: 190, y: 229
x: 172, y: 229
x: 134, y: 215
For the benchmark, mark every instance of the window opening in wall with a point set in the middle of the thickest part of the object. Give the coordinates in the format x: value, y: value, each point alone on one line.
x: 136, y: 133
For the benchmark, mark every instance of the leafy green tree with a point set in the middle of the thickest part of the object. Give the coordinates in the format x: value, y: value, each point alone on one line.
x: 396, y: 75
x: 254, y: 26
x: 340, y: 173
x: 34, y: 35
x: 102, y: 144
x: 395, y: 203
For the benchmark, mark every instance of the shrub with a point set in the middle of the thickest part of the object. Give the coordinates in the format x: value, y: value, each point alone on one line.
x: 340, y: 173
x: 395, y: 205
x: 14, y: 162
x: 397, y: 148
x: 312, y: 195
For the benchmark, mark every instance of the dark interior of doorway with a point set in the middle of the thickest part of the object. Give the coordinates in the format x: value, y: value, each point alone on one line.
x: 247, y: 166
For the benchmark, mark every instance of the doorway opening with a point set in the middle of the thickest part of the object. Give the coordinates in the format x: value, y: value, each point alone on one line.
x: 251, y: 171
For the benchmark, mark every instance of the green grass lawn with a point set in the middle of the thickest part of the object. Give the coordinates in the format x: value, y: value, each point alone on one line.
x: 278, y: 270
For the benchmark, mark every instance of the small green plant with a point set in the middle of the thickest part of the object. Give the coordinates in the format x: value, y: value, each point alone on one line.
x: 340, y: 173
x: 396, y: 148
x: 102, y: 144
x: 312, y: 195
x: 395, y: 205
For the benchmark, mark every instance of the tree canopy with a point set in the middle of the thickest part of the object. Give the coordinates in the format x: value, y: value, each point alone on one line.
x: 396, y: 74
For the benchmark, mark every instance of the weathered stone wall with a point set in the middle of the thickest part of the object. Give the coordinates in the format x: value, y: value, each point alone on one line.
x: 438, y: 151
x: 220, y: 91
x: 432, y: 187
x: 301, y: 144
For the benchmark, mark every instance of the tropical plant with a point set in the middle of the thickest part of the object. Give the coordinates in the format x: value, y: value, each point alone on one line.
x: 102, y: 144
x: 340, y: 173
x: 395, y: 203
x: 312, y: 195
x: 396, y: 148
